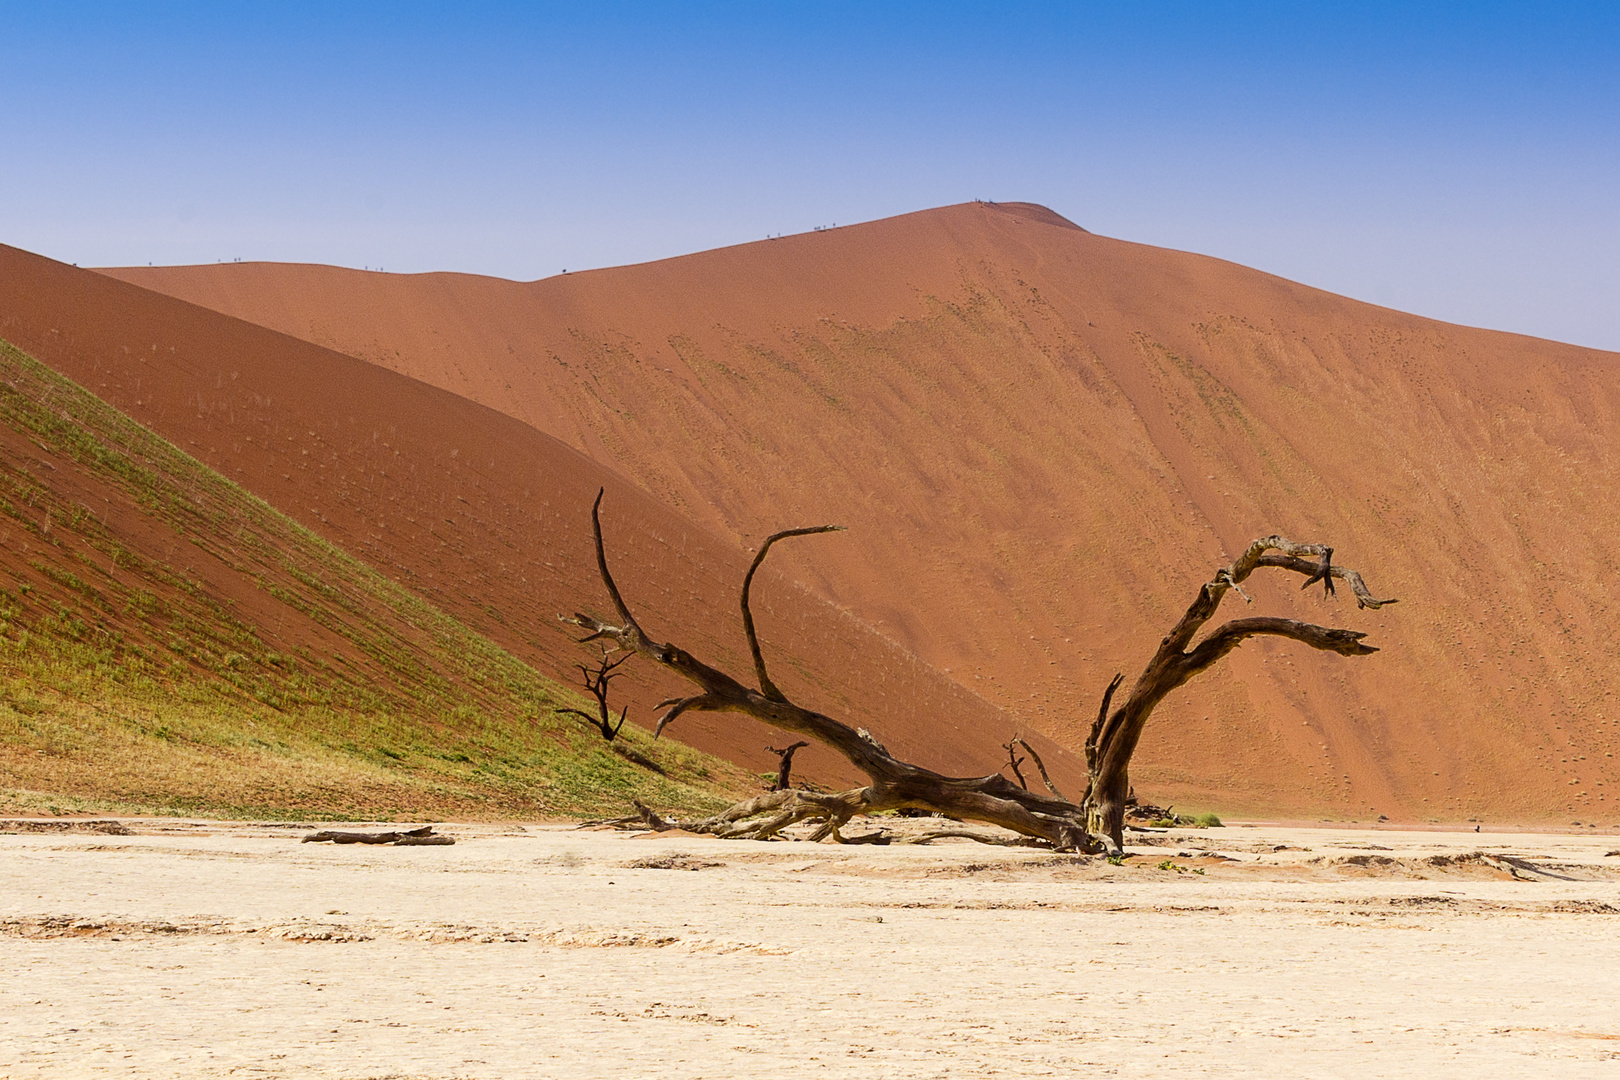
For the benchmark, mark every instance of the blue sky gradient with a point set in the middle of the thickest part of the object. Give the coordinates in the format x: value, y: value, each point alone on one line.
x: 1457, y: 160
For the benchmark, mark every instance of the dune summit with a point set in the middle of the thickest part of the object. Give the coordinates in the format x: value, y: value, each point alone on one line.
x: 1046, y: 439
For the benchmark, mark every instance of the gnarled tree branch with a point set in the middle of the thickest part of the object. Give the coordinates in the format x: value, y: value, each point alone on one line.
x: 596, y: 682
x: 1046, y: 778
x: 1013, y: 761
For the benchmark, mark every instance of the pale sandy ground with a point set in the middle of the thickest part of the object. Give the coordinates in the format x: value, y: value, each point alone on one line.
x: 213, y: 950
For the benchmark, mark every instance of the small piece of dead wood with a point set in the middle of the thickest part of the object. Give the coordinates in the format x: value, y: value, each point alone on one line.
x: 423, y: 837
x: 978, y: 837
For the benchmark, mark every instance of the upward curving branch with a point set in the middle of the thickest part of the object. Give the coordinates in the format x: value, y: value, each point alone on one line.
x: 719, y: 692
x: 767, y: 687
x: 629, y: 630
x: 1018, y: 742
x: 1096, y: 823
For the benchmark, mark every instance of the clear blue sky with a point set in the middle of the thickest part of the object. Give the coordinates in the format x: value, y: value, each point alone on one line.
x: 1457, y: 160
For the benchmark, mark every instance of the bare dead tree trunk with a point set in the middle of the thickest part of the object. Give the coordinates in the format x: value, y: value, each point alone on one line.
x: 1095, y: 824
x: 784, y: 770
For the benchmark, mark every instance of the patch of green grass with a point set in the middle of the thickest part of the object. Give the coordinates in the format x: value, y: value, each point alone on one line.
x: 1171, y: 865
x: 1185, y: 821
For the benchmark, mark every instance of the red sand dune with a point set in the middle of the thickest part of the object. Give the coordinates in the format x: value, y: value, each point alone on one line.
x: 481, y: 514
x: 1044, y: 440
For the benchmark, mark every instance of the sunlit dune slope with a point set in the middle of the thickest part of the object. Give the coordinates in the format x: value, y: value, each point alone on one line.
x: 1046, y: 439
x: 480, y: 514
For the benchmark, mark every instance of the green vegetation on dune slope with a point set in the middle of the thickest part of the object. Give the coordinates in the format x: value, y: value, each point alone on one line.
x: 171, y: 643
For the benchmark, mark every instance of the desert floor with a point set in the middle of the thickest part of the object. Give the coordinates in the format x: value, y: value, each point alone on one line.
x: 209, y: 949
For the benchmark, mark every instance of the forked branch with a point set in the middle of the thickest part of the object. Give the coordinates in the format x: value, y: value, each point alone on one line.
x: 1040, y: 766
x: 1013, y: 761
x: 1115, y: 735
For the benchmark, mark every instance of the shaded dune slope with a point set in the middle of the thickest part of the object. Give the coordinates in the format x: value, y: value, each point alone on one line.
x: 1046, y: 439
x: 478, y: 513
x: 170, y: 642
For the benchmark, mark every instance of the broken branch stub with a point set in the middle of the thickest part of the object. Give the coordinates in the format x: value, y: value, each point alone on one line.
x: 784, y: 768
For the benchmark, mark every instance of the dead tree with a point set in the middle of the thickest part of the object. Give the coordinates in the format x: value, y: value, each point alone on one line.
x: 596, y: 682
x: 1013, y: 761
x: 1115, y: 734
x: 784, y: 769
x: 1094, y: 824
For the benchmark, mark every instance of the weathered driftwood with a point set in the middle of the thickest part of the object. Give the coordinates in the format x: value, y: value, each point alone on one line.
x: 423, y: 837
x: 1094, y: 824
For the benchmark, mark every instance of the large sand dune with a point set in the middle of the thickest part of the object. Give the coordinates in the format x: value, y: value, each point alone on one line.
x: 478, y: 512
x: 1045, y: 439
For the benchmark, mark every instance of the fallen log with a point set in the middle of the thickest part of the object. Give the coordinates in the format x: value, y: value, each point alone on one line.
x: 423, y: 837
